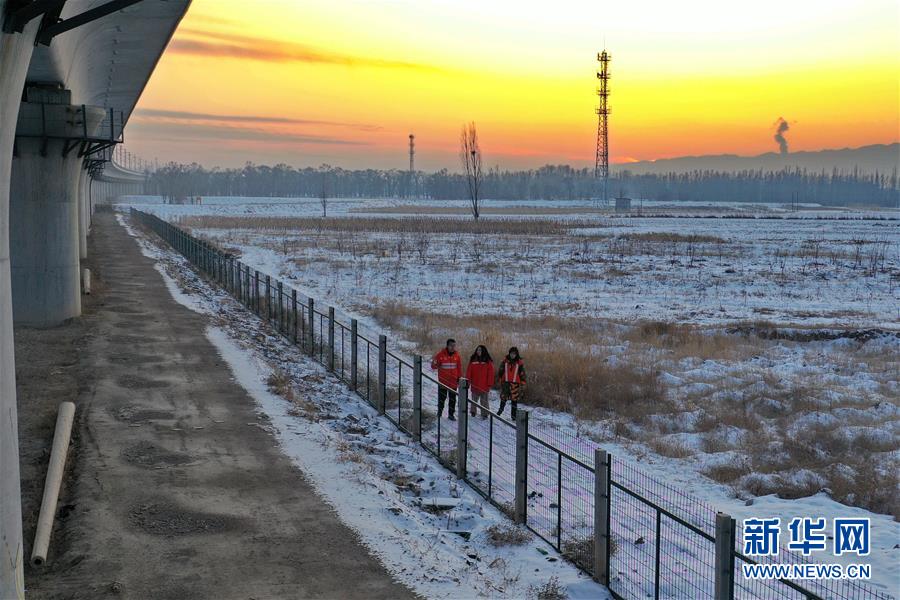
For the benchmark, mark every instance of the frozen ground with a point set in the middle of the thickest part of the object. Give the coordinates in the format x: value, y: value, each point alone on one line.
x: 808, y: 271
x: 401, y: 206
x: 842, y: 390
x: 378, y: 481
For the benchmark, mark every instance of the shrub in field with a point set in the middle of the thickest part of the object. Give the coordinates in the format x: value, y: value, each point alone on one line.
x: 279, y: 383
x: 506, y: 534
x: 410, y: 225
x: 581, y: 550
x: 668, y: 236
x: 876, y: 489
x: 552, y: 590
x: 563, y: 373
x: 726, y: 473
x: 670, y: 448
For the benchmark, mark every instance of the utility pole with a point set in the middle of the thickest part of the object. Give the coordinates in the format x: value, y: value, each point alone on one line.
x: 601, y: 160
x: 412, y: 165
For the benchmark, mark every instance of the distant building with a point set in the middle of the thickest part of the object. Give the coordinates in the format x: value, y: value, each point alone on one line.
x: 623, y: 204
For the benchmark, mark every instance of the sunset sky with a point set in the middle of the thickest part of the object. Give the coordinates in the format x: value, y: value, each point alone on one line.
x: 344, y: 82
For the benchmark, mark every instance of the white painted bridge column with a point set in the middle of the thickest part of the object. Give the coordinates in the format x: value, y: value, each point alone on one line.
x: 44, y: 206
x: 15, y: 55
x: 84, y: 212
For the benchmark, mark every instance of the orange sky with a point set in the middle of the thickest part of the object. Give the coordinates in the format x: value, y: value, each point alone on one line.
x: 308, y: 82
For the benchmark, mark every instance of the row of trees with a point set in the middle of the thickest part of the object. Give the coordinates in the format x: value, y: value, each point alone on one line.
x: 551, y: 182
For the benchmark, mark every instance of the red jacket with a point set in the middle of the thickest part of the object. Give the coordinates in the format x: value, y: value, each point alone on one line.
x: 480, y: 375
x: 449, y: 368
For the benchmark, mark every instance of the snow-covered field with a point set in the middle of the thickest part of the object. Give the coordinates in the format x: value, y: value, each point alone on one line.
x: 268, y: 206
x: 827, y: 393
x: 380, y: 483
x: 800, y: 271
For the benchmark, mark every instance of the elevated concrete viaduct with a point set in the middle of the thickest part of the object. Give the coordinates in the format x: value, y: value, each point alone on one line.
x: 71, y: 72
x: 116, y: 181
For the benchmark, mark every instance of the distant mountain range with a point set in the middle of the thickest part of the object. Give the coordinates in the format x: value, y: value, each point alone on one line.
x: 883, y: 158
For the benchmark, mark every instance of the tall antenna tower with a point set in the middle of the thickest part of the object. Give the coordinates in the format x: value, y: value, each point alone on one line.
x: 412, y: 153
x: 601, y: 162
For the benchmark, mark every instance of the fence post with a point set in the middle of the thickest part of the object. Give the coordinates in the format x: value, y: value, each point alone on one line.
x: 354, y: 355
x: 602, y: 499
x: 268, y: 299
x: 256, y: 292
x: 331, y: 339
x: 521, y: 466
x: 382, y: 373
x: 724, y: 589
x: 311, y: 319
x: 462, y: 428
x: 294, y: 315
x: 417, y: 397
x: 280, y: 305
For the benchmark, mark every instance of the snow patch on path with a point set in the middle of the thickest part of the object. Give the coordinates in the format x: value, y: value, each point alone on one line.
x: 354, y: 458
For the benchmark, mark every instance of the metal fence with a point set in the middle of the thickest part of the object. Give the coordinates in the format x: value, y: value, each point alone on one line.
x: 640, y: 537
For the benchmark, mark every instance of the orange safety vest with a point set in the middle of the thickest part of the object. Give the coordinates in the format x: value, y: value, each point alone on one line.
x: 511, y: 371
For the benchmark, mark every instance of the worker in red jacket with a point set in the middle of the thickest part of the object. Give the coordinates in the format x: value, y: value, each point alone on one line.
x: 480, y: 374
x: 449, y: 367
x: 511, y: 376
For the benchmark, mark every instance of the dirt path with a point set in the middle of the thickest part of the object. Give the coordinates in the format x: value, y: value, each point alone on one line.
x: 176, y: 492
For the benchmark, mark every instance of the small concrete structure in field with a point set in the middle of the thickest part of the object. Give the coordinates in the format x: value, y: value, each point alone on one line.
x: 623, y: 204
x: 187, y: 200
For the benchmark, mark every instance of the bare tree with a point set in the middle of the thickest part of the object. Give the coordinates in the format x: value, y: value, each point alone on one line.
x: 470, y: 156
x: 325, y: 192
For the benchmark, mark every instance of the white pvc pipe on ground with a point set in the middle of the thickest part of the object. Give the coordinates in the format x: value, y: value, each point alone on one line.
x: 61, y: 438
x: 86, y: 281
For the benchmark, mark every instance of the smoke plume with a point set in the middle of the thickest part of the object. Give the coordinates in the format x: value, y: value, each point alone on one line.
x: 781, y: 127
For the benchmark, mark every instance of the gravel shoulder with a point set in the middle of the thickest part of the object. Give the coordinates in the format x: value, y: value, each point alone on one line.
x: 176, y: 489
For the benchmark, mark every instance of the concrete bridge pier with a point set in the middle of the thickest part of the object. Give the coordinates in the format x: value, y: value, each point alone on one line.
x: 84, y: 212
x: 15, y: 55
x: 44, y: 204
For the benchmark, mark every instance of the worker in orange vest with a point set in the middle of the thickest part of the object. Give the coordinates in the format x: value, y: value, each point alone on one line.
x: 448, y: 364
x: 511, y: 376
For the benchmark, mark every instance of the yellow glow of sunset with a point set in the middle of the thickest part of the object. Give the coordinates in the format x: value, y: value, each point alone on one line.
x: 307, y: 82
